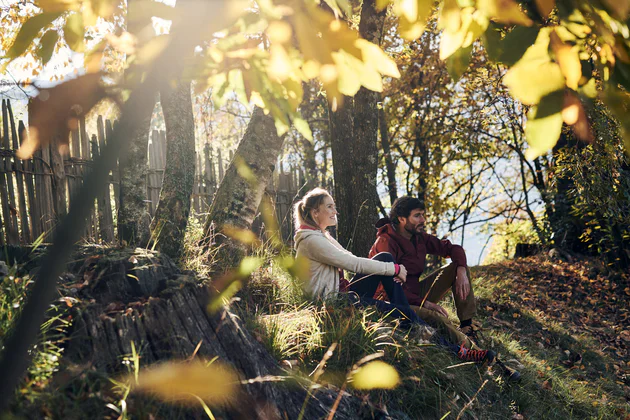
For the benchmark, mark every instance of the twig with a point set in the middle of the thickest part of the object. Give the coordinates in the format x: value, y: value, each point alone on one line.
x: 469, y: 403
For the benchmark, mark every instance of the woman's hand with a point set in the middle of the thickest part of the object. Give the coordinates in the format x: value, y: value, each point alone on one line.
x: 402, y: 275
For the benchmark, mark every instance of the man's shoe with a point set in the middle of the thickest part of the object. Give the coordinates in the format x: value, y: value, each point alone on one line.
x: 477, y: 356
x: 470, y: 332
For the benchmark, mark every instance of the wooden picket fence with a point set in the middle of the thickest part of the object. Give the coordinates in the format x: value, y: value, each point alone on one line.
x: 36, y: 192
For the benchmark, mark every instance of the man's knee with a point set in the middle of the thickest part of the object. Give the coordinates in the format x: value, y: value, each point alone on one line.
x: 384, y: 256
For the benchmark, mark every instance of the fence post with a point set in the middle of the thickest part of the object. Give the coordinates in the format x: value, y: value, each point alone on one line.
x: 48, y: 213
x: 8, y: 194
x: 19, y: 175
x: 59, y: 178
x: 105, y: 217
x: 29, y: 168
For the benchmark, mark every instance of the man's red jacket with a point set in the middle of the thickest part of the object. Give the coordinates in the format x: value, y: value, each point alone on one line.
x: 413, y: 253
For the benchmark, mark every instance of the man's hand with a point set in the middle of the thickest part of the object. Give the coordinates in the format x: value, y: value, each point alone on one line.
x: 462, y: 284
x: 402, y: 275
x: 435, y: 307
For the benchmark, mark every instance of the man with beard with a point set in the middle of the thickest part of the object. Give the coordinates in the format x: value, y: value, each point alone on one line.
x: 402, y: 235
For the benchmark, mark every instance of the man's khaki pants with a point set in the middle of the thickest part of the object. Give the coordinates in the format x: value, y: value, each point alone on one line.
x: 443, y: 325
x: 435, y: 287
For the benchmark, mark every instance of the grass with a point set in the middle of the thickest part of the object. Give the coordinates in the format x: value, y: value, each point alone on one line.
x: 570, y: 368
x: 434, y: 383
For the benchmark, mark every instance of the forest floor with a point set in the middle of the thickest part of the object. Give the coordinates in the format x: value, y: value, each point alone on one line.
x: 564, y: 326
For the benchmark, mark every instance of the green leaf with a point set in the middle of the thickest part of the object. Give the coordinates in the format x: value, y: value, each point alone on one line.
x: 515, y: 44
x: 544, y: 124
x: 302, y: 127
x: 376, y: 374
x: 73, y: 32
x: 47, y: 46
x: 28, y: 32
x: 457, y: 64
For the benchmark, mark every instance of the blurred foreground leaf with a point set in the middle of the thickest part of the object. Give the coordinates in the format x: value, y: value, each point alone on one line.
x: 55, y: 111
x: 183, y: 382
x: 376, y: 374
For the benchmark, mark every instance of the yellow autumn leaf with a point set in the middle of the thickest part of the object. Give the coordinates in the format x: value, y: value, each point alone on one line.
x: 182, y: 382
x: 280, y: 66
x: 375, y: 57
x: 408, y: 27
x: 535, y: 75
x: 279, y: 32
x: 376, y: 374
x: 504, y: 11
x: 407, y: 8
x: 450, y: 19
x: 568, y: 59
x: 473, y: 24
x: 244, y: 236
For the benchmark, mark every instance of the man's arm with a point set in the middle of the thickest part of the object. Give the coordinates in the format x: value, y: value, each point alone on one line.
x: 444, y: 248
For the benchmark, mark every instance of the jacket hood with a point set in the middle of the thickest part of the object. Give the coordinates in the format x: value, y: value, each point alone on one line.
x: 385, y: 227
x: 303, y: 234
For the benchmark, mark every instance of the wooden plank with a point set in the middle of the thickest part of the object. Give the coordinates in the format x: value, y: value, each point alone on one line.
x: 19, y: 176
x: 116, y: 171
x: 81, y: 170
x: 198, y: 186
x: 12, y: 228
x: 105, y: 216
x: 4, y: 197
x: 153, y: 192
x: 88, y: 168
x: 58, y: 178
x: 29, y: 178
x: 48, y: 213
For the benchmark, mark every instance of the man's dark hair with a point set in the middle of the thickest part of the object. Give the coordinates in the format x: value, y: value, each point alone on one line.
x: 402, y: 207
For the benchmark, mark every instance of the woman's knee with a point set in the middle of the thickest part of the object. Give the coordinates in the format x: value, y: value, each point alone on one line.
x: 384, y: 256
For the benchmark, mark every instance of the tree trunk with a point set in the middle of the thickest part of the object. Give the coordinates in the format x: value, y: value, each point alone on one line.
x: 354, y: 141
x: 387, y: 154
x: 342, y: 144
x: 133, y: 212
x: 171, y: 216
x: 241, y: 190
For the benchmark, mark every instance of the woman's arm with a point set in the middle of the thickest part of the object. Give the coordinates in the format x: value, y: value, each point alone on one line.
x: 319, y: 248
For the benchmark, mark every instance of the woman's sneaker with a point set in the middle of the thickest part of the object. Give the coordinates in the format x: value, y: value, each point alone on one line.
x: 477, y: 356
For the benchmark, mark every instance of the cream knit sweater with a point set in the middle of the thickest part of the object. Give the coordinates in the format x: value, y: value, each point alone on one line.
x: 326, y: 256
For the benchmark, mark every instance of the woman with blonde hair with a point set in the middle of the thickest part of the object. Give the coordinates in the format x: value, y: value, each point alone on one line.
x: 313, y: 215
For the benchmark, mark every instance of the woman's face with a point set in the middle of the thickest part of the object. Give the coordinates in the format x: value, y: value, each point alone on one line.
x: 326, y: 214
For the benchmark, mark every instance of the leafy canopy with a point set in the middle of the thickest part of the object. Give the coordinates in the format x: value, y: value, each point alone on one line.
x: 555, y: 51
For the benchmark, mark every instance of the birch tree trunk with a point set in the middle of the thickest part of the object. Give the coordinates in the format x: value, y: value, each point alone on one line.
x: 171, y: 216
x: 241, y: 190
